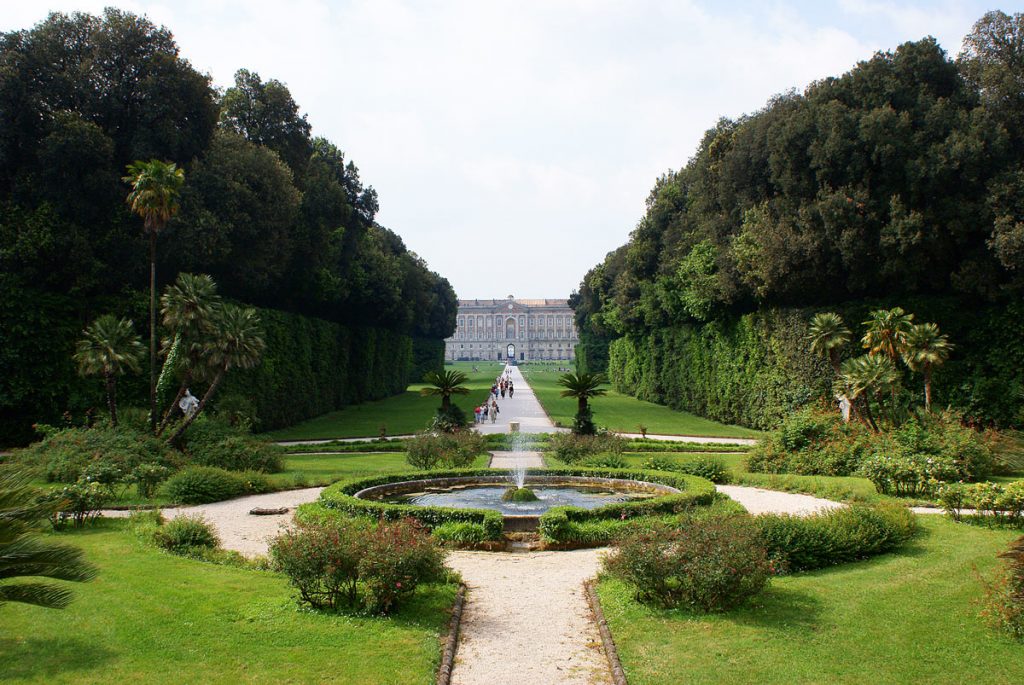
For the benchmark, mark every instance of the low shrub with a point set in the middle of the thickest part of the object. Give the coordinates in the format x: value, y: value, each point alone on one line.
x: 444, y: 450
x: 64, y: 455
x: 703, y: 565
x: 462, y: 532
x: 710, y: 468
x: 994, y: 502
x: 185, y: 533
x: 908, y: 474
x: 1004, y: 596
x: 78, y: 503
x: 203, y: 484
x: 355, y: 564
x: 571, y: 448
x: 607, y: 460
x: 800, y: 543
x: 213, y: 442
x: 147, y: 478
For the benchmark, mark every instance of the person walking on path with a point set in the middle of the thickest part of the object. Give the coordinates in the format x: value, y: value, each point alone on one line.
x: 511, y: 389
x: 502, y: 391
x: 494, y: 411
x: 476, y: 412
x: 484, y: 413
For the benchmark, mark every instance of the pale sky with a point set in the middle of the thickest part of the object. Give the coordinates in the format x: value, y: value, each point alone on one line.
x: 513, y: 144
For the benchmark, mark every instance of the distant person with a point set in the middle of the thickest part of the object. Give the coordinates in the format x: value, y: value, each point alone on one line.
x: 477, y: 410
x: 502, y: 391
x: 485, y: 413
x: 494, y: 411
x: 511, y: 390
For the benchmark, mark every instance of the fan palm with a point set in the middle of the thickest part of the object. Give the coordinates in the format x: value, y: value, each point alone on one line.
x: 109, y: 347
x: 827, y: 335
x: 887, y: 332
x: 156, y: 189
x: 236, y: 343
x: 188, y: 307
x: 867, y: 375
x: 583, y: 386
x: 924, y: 349
x: 445, y: 384
x: 22, y: 554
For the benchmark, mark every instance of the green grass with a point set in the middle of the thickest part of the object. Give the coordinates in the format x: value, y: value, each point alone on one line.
x: 150, y: 617
x: 623, y: 413
x: 322, y: 469
x: 402, y: 414
x: 910, y: 617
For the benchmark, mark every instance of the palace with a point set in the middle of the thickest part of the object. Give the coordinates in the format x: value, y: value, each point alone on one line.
x: 524, y: 330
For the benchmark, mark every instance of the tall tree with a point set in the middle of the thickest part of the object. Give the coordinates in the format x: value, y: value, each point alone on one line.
x: 867, y: 376
x: 444, y: 384
x: 583, y: 386
x: 23, y: 554
x: 828, y: 334
x: 156, y: 189
x: 924, y: 349
x: 886, y: 332
x: 108, y: 348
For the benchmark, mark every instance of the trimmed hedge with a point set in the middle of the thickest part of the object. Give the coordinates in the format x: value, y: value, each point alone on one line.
x: 754, y: 369
x: 803, y: 543
x: 340, y: 498
x: 203, y: 484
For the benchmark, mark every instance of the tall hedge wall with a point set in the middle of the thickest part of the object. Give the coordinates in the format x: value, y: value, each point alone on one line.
x: 753, y: 369
x: 310, y: 366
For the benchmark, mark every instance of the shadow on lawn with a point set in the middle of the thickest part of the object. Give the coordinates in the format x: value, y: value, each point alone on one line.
x: 35, y: 658
x: 781, y: 610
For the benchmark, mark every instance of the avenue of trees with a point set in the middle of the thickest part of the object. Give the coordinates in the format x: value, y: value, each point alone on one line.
x: 278, y: 217
x: 901, y: 181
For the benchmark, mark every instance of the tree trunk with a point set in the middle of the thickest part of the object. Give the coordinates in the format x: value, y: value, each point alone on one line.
x: 867, y: 412
x: 112, y: 398
x: 927, y: 387
x: 581, y: 406
x: 199, y: 410
x: 152, y: 330
x: 174, y: 404
x: 446, y: 403
x: 833, y: 356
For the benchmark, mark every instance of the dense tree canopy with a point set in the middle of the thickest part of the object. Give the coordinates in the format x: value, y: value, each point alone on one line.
x: 279, y: 218
x: 900, y: 177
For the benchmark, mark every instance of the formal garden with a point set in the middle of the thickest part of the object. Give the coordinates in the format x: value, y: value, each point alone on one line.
x: 210, y: 473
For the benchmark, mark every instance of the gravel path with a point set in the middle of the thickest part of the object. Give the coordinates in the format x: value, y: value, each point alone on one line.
x: 527, y: 620
x: 509, y: 460
x: 758, y: 501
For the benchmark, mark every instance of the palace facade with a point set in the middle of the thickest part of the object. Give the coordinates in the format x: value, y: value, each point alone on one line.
x: 525, y: 330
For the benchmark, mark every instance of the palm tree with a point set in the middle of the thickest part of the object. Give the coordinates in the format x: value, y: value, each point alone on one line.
x: 22, y: 554
x: 445, y: 384
x: 924, y: 349
x: 109, y: 348
x: 583, y: 386
x: 156, y: 188
x: 188, y: 306
x: 887, y: 332
x: 867, y: 375
x: 237, y: 342
x: 827, y: 335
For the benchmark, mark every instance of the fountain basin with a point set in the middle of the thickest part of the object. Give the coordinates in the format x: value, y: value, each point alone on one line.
x: 485, y: 492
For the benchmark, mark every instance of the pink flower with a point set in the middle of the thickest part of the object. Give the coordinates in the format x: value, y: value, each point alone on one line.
x: 398, y: 585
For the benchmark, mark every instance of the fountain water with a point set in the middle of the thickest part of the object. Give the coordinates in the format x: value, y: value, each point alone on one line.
x: 517, y: 474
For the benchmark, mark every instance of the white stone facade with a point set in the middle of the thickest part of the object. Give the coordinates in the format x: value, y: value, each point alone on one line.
x: 538, y: 329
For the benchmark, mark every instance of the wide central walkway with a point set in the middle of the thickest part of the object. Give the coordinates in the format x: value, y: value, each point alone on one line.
x: 522, y: 407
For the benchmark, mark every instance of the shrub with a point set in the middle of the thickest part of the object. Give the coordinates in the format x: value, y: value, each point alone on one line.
x: 202, y: 484
x: 799, y: 543
x: 1004, y: 596
x: 78, y: 502
x: 105, y: 474
x: 444, y: 450
x: 351, y: 563
x: 450, y: 421
x: 464, y: 532
x: 607, y: 460
x: 710, y: 468
x: 147, y: 477
x: 65, y: 454
x: 185, y: 533
x: 703, y: 565
x: 572, y: 448
x: 907, y: 475
x: 996, y: 503
x: 212, y: 442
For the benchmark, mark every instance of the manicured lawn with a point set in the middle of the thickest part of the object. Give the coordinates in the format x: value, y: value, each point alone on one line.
x: 321, y: 469
x: 150, y: 617
x: 623, y: 413
x: 899, y: 618
x: 402, y: 414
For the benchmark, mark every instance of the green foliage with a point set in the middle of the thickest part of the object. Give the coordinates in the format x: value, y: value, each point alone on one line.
x: 571, y: 448
x: 1004, y: 596
x: 202, y: 484
x: 79, y: 503
x: 183, y: 534
x: 64, y: 455
x: 994, y: 503
x: 24, y: 554
x: 444, y: 450
x: 147, y: 478
x: 702, y: 565
x: 461, y: 532
x: 709, y: 468
x: 212, y: 442
x: 518, y: 495
x: 605, y: 460
x: 350, y: 564
x: 800, y: 543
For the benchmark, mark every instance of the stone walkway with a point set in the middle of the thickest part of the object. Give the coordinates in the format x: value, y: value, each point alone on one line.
x: 522, y: 407
x: 510, y: 460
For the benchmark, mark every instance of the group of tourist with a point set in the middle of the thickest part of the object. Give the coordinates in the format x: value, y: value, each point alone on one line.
x: 489, y: 408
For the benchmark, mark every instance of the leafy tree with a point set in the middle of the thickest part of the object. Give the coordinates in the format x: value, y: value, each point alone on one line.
x: 827, y: 336
x: 444, y: 384
x: 156, y: 187
x: 109, y: 347
x: 583, y: 386
x: 887, y: 332
x: 24, y: 555
x: 925, y: 348
x: 236, y: 343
